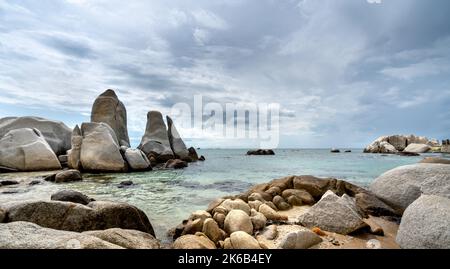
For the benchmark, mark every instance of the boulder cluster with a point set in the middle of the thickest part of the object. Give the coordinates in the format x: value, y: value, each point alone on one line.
x: 238, y: 222
x: 101, y: 145
x: 402, y: 144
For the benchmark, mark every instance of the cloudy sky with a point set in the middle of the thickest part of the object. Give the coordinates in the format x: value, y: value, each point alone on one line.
x: 343, y: 72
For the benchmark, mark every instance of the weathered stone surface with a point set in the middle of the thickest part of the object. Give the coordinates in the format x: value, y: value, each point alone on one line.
x: 56, y: 133
x: 179, y: 149
x: 400, y: 186
x: 270, y: 232
x: 303, y: 195
x: 100, y: 149
x: 26, y: 235
x: 258, y: 220
x: 71, y: 196
x: 425, y: 224
x: 198, y: 241
x: 435, y: 160
x: 333, y: 213
x: 26, y: 150
x: 314, y: 186
x: 74, y: 154
x: 212, y: 230
x: 130, y: 239
x: 155, y: 141
x: 137, y: 160
x: 175, y: 164
x: 108, y: 109
x: 395, y: 143
x: 242, y: 240
x: 98, y: 215
x: 236, y: 204
x: 399, y: 142
x: 417, y: 148
x: 68, y: 176
x: 371, y: 205
x: 302, y: 239
x: 238, y: 220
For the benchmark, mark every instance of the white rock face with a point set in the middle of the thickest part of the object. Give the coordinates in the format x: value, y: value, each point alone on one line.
x: 100, y: 149
x: 155, y: 141
x: 333, y: 213
x: 26, y: 150
x: 56, y: 133
x: 425, y: 224
x: 401, y: 186
x: 242, y: 240
x: 417, y: 148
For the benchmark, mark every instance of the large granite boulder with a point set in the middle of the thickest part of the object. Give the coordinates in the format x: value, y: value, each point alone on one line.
x: 109, y: 109
x: 71, y: 196
x: 425, y: 224
x: 74, y: 154
x: 56, y: 133
x: 155, y: 142
x: 97, y: 215
x: 27, y: 235
x: 334, y: 214
x: 238, y: 220
x: 241, y: 240
x: 417, y: 148
x: 26, y: 149
x: 176, y: 143
x: 197, y: 241
x: 129, y: 239
x: 100, y: 149
x: 400, y: 186
x: 137, y: 160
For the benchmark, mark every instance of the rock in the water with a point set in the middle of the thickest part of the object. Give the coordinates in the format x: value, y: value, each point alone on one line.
x: 425, y: 224
x: 130, y: 239
x: 302, y: 239
x: 417, y: 148
x: 229, y: 205
x: 202, y: 158
x: 335, y: 151
x: 395, y: 143
x: 435, y: 160
x: 400, y: 186
x: 371, y: 205
x: 399, y: 142
x: 98, y: 215
x: 100, y: 149
x: 258, y: 220
x: 261, y: 152
x: 74, y: 154
x: 193, y: 154
x: 334, y: 214
x: 137, y: 160
x: 71, y: 196
x: 68, y: 176
x: 212, y: 230
x: 56, y: 133
x: 126, y: 183
x: 242, y: 240
x: 179, y: 149
x: 175, y: 164
x: 238, y: 220
x: 405, y: 153
x: 155, y: 141
x: 200, y: 214
x: 26, y: 235
x: 109, y: 109
x: 8, y: 182
x: 197, y: 241
x: 26, y: 150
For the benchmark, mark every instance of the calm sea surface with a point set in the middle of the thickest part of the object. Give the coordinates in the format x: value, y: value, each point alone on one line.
x: 168, y: 196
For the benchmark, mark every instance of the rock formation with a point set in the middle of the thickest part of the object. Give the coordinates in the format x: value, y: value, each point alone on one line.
x: 26, y: 149
x: 176, y: 143
x: 74, y: 154
x: 56, y: 133
x: 155, y: 142
x: 399, y: 143
x: 109, y: 109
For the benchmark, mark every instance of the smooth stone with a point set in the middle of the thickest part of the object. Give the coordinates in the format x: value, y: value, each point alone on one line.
x: 425, y: 224
x: 193, y: 154
x: 74, y: 154
x: 271, y: 214
x: 417, y: 148
x: 155, y: 141
x: 220, y: 219
x: 68, y: 176
x: 193, y: 226
x: 215, y: 203
x: 177, y: 145
x: 129, y: 239
x: 137, y: 160
x: 435, y: 160
x: 238, y: 220
x: 303, y: 195
x: 258, y: 220
x: 229, y: 205
x: 212, y: 230
x: 200, y: 214
x: 190, y: 241
x: 242, y: 240
x: 71, y: 196
x: 255, y: 204
x: 175, y: 164
x: 63, y: 158
x: 255, y: 197
x: 302, y: 239
x: 107, y: 108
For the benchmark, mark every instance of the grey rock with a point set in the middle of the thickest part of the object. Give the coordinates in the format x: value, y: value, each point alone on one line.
x: 175, y: 164
x: 302, y: 239
x: 26, y: 150
x: 303, y: 195
x: 425, y: 224
x: 212, y: 230
x: 56, y: 133
x: 74, y: 154
x: 100, y: 150
x: 137, y: 160
x: 71, y: 196
x: 417, y: 148
x: 109, y: 109
x: 238, y: 220
x: 177, y: 145
x: 68, y: 176
x: 129, y: 239
x: 155, y: 141
x: 435, y: 160
x: 400, y: 186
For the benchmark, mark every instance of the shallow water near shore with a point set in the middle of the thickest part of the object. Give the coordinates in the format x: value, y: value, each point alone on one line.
x: 169, y: 196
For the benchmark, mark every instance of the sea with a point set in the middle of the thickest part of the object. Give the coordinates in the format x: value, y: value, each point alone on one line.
x: 169, y: 196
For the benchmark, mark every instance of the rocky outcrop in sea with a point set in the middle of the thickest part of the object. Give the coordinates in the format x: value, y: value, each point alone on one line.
x: 402, y: 143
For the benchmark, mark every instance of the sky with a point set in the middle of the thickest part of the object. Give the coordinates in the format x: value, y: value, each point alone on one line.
x: 343, y: 72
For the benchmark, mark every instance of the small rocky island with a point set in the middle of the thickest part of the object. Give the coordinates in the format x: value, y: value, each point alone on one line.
x: 261, y: 152
x: 398, y: 144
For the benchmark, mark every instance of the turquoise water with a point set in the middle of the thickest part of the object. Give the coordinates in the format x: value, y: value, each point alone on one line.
x: 169, y: 196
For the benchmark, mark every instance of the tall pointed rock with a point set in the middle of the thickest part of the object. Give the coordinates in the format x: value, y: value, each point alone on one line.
x: 155, y: 142
x: 109, y: 109
x: 176, y: 143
